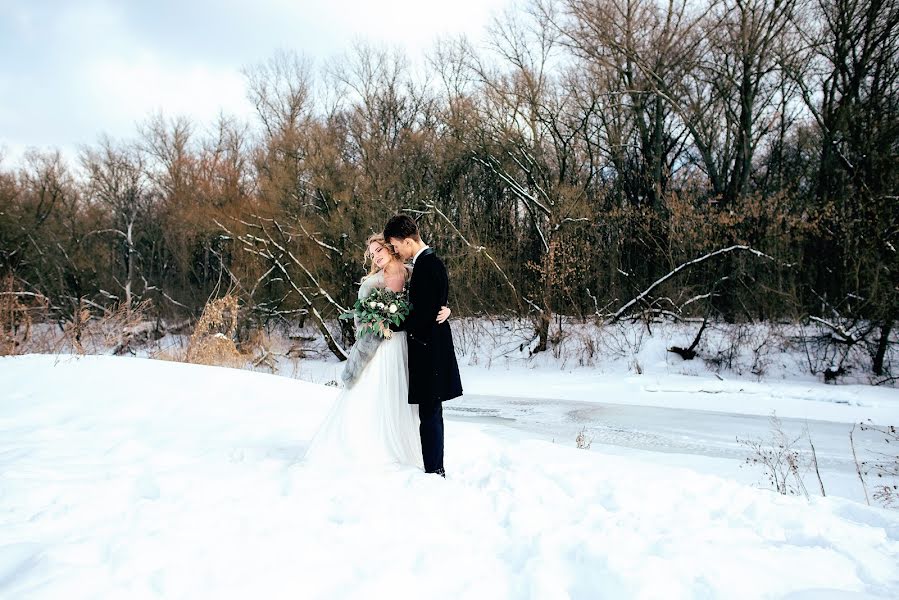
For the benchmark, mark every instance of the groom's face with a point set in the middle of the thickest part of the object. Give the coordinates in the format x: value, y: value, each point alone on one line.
x: 403, y: 247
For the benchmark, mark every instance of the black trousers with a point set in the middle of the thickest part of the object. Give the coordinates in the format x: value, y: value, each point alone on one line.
x: 431, y: 430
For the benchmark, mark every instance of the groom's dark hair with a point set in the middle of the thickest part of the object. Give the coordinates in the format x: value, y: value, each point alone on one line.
x: 401, y: 227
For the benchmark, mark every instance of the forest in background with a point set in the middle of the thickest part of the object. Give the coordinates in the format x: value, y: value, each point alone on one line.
x: 727, y: 160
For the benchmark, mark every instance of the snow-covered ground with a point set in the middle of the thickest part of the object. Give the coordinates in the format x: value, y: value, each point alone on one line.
x: 634, y: 398
x: 131, y: 478
x: 705, y: 392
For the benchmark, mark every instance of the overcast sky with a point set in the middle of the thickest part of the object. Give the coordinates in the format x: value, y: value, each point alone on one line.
x: 72, y: 70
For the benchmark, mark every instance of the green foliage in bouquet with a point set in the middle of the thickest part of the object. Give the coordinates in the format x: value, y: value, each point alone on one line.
x: 378, y: 310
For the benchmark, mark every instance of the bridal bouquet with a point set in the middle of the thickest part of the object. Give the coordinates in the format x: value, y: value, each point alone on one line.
x: 376, y: 311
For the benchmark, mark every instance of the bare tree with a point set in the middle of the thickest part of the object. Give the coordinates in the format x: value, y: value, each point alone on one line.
x: 638, y: 53
x: 732, y: 90
x: 118, y: 182
x: 533, y: 144
x: 280, y: 89
x: 851, y: 88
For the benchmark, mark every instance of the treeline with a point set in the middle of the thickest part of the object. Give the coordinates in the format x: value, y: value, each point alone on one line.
x: 733, y: 159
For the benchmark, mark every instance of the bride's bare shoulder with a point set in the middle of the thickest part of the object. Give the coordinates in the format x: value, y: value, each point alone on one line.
x: 395, y: 279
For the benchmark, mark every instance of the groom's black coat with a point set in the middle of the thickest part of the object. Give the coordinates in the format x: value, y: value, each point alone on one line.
x: 433, y: 371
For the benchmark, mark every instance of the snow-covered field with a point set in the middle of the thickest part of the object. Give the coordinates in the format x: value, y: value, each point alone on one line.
x: 131, y: 478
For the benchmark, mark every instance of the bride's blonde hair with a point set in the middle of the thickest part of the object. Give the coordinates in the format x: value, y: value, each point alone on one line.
x: 379, y: 238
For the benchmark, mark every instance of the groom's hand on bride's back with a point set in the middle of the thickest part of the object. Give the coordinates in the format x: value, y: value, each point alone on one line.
x: 442, y: 317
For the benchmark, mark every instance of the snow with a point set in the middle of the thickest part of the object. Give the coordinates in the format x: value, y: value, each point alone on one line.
x: 796, y: 400
x: 629, y: 366
x: 126, y: 477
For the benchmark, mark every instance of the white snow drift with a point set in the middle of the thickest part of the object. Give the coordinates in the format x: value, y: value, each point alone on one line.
x: 131, y: 478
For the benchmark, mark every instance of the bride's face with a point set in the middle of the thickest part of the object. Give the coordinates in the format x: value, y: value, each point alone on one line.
x: 379, y: 255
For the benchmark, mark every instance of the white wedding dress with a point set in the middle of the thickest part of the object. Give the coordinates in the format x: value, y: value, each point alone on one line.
x: 372, y: 422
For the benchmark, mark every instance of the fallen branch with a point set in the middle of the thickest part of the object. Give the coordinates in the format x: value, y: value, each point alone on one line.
x: 252, y: 245
x: 642, y: 295
x: 690, y: 353
x: 483, y: 250
x: 841, y: 334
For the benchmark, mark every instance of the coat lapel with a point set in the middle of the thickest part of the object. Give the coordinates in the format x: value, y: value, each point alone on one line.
x: 426, y: 252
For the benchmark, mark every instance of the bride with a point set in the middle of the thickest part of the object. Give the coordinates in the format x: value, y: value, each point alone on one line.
x: 371, y: 421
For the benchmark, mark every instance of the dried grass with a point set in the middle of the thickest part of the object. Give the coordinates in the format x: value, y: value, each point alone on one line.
x: 16, y: 320
x: 114, y: 330
x: 212, y: 342
x: 780, y: 459
x: 583, y: 441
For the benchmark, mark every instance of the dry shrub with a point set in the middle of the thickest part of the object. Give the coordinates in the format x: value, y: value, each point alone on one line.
x: 258, y: 346
x: 583, y: 440
x: 124, y: 319
x: 75, y: 329
x: 114, y: 330
x: 215, y: 350
x: 742, y: 347
x: 622, y: 339
x: 585, y: 345
x: 883, y: 465
x: 169, y: 354
x: 212, y: 342
x: 16, y: 324
x: 217, y: 341
x: 123, y: 326
x: 780, y: 459
x: 15, y: 316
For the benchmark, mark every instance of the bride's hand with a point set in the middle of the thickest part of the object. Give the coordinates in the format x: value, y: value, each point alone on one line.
x: 444, y: 314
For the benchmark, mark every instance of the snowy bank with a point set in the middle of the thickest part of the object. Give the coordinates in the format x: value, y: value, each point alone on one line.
x: 144, y: 479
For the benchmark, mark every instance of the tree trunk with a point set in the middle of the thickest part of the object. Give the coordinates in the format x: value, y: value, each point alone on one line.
x: 543, y: 321
x: 882, y: 344
x: 130, y: 267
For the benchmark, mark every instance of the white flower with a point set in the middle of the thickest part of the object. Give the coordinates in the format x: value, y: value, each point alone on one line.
x: 372, y: 304
x: 393, y: 308
x: 380, y: 305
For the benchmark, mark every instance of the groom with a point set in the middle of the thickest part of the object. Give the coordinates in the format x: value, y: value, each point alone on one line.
x: 433, y: 372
